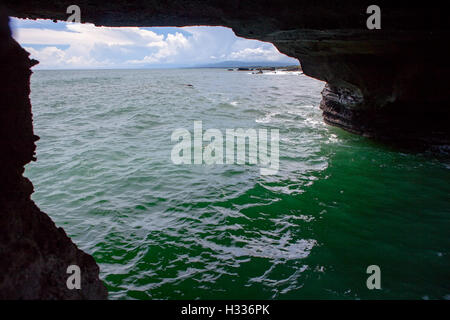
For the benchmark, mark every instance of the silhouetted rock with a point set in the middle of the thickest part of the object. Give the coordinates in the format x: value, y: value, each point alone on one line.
x: 34, y: 253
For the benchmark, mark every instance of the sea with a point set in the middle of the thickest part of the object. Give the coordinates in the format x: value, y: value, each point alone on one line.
x: 338, y: 207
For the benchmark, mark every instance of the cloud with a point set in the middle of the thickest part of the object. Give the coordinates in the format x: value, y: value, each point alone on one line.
x: 255, y: 54
x: 167, y: 49
x: 71, y: 45
x: 57, y: 58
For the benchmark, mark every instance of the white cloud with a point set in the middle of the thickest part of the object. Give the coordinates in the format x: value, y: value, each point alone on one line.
x: 71, y: 45
x: 83, y: 40
x: 57, y: 58
x: 167, y: 49
x: 87, y: 34
x: 255, y: 54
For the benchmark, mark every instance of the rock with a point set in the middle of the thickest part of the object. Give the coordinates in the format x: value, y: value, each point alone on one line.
x: 34, y: 253
x: 390, y: 86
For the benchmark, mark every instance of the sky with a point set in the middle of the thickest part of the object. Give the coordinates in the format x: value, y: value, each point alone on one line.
x: 69, y: 45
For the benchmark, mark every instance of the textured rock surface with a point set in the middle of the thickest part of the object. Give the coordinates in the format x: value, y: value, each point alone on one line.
x: 34, y: 253
x: 391, y: 86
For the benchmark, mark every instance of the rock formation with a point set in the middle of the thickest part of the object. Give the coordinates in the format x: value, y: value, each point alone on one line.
x: 34, y: 253
x: 388, y: 84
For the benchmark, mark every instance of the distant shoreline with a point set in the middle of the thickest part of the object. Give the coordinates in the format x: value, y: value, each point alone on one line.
x: 253, y: 68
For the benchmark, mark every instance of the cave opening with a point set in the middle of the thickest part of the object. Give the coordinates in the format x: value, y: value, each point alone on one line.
x: 163, y: 231
x: 107, y: 117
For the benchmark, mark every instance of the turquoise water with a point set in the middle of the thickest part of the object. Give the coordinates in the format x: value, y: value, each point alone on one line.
x: 338, y: 203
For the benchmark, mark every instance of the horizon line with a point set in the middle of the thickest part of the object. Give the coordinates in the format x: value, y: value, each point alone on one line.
x: 158, y: 68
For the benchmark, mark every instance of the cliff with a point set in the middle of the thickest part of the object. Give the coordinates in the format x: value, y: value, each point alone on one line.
x: 34, y: 253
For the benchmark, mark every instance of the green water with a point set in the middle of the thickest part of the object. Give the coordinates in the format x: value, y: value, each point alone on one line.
x: 338, y: 203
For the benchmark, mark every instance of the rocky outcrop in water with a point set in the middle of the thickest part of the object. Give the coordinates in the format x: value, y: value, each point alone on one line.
x: 34, y: 253
x: 389, y: 85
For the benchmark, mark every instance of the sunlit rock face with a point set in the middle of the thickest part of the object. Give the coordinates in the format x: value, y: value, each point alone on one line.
x: 34, y: 253
x: 389, y: 84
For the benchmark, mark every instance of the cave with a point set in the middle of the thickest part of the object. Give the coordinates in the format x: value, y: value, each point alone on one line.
x: 387, y: 84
